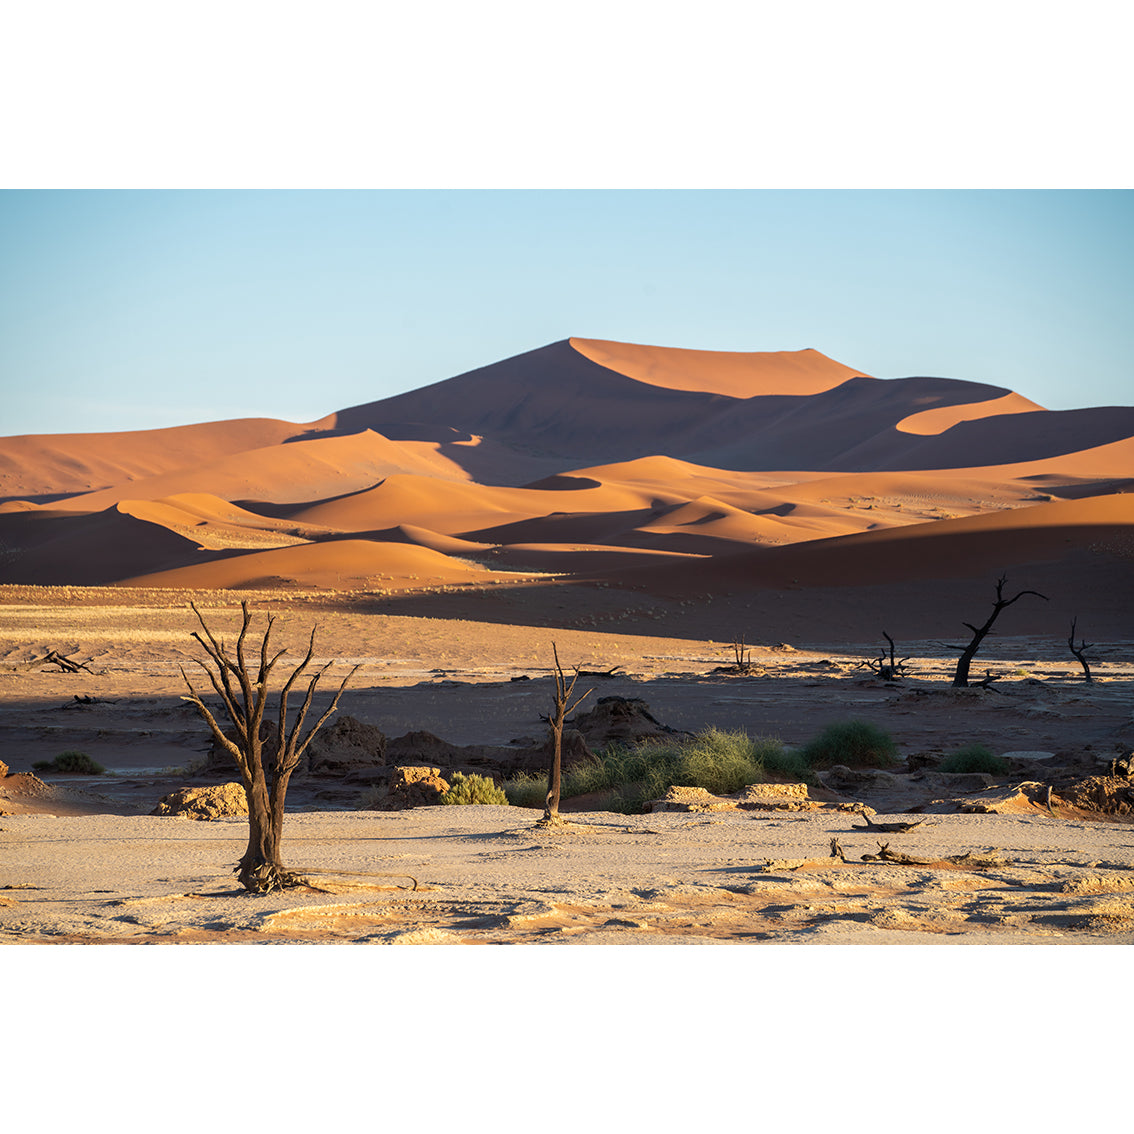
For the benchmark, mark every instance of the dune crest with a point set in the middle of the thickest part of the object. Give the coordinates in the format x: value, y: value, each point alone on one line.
x: 733, y: 373
x: 934, y: 421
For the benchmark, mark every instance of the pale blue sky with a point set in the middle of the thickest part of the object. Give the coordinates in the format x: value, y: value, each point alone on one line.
x: 137, y: 309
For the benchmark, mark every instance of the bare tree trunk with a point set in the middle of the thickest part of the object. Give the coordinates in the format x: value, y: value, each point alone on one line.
x: 244, y: 698
x: 961, y: 676
x: 562, y: 706
x: 1080, y: 650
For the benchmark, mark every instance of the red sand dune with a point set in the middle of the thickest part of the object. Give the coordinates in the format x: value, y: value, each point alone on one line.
x: 944, y: 549
x: 79, y: 462
x: 287, y: 473
x: 681, y: 470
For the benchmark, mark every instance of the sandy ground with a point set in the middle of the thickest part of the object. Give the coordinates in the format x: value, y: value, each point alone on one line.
x: 489, y: 875
x: 87, y: 862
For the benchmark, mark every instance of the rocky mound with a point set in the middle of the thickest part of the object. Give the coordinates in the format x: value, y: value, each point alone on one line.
x: 621, y: 720
x: 411, y: 786
x: 218, y: 802
x: 1107, y: 795
x: 346, y: 746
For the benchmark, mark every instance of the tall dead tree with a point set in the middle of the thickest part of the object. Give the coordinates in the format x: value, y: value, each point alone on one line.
x: 563, y: 705
x: 244, y: 696
x: 961, y: 676
x: 1080, y: 650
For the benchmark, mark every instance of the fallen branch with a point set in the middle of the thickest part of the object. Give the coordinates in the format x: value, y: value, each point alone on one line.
x: 891, y: 828
x: 65, y: 662
x: 84, y: 701
x: 896, y: 858
x: 598, y: 672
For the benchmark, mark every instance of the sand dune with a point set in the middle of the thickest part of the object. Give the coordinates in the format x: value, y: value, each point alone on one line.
x: 458, y: 508
x: 769, y: 411
x: 286, y: 473
x: 585, y: 459
x: 945, y: 549
x: 65, y: 464
x: 346, y: 564
x: 49, y: 547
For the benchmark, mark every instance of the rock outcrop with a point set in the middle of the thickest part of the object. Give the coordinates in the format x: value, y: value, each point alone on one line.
x: 412, y: 786
x: 345, y: 746
x: 776, y: 797
x: 1108, y: 795
x: 690, y: 799
x: 218, y: 802
x: 621, y: 720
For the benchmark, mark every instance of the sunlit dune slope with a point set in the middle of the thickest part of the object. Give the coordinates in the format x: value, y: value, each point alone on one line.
x: 292, y: 473
x: 69, y: 463
x: 336, y: 564
x: 739, y: 375
x: 215, y: 523
x: 934, y: 421
x: 460, y: 508
x: 941, y: 550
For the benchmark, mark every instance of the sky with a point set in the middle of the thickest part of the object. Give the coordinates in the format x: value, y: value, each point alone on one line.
x: 132, y: 309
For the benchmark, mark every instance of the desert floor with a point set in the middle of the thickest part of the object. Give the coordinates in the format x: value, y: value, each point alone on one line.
x: 85, y: 861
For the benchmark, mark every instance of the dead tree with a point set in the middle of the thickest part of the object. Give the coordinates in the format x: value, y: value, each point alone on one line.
x: 893, y: 670
x: 961, y: 676
x: 563, y: 705
x: 1080, y: 650
x: 244, y: 694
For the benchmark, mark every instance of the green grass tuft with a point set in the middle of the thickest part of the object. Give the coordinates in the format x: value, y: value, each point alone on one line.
x: 70, y: 763
x: 973, y: 758
x: 852, y: 743
x: 720, y: 762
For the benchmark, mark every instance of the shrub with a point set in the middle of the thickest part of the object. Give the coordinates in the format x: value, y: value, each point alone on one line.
x: 973, y: 758
x: 527, y: 789
x: 776, y: 760
x: 853, y: 743
x: 70, y: 763
x: 473, y: 789
x: 718, y: 761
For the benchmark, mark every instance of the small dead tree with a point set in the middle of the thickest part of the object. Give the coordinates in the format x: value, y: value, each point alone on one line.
x: 564, y: 691
x: 893, y: 670
x: 1080, y: 650
x: 961, y: 676
x: 244, y: 694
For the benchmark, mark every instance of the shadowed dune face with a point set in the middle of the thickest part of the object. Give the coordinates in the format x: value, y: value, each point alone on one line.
x: 680, y: 472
